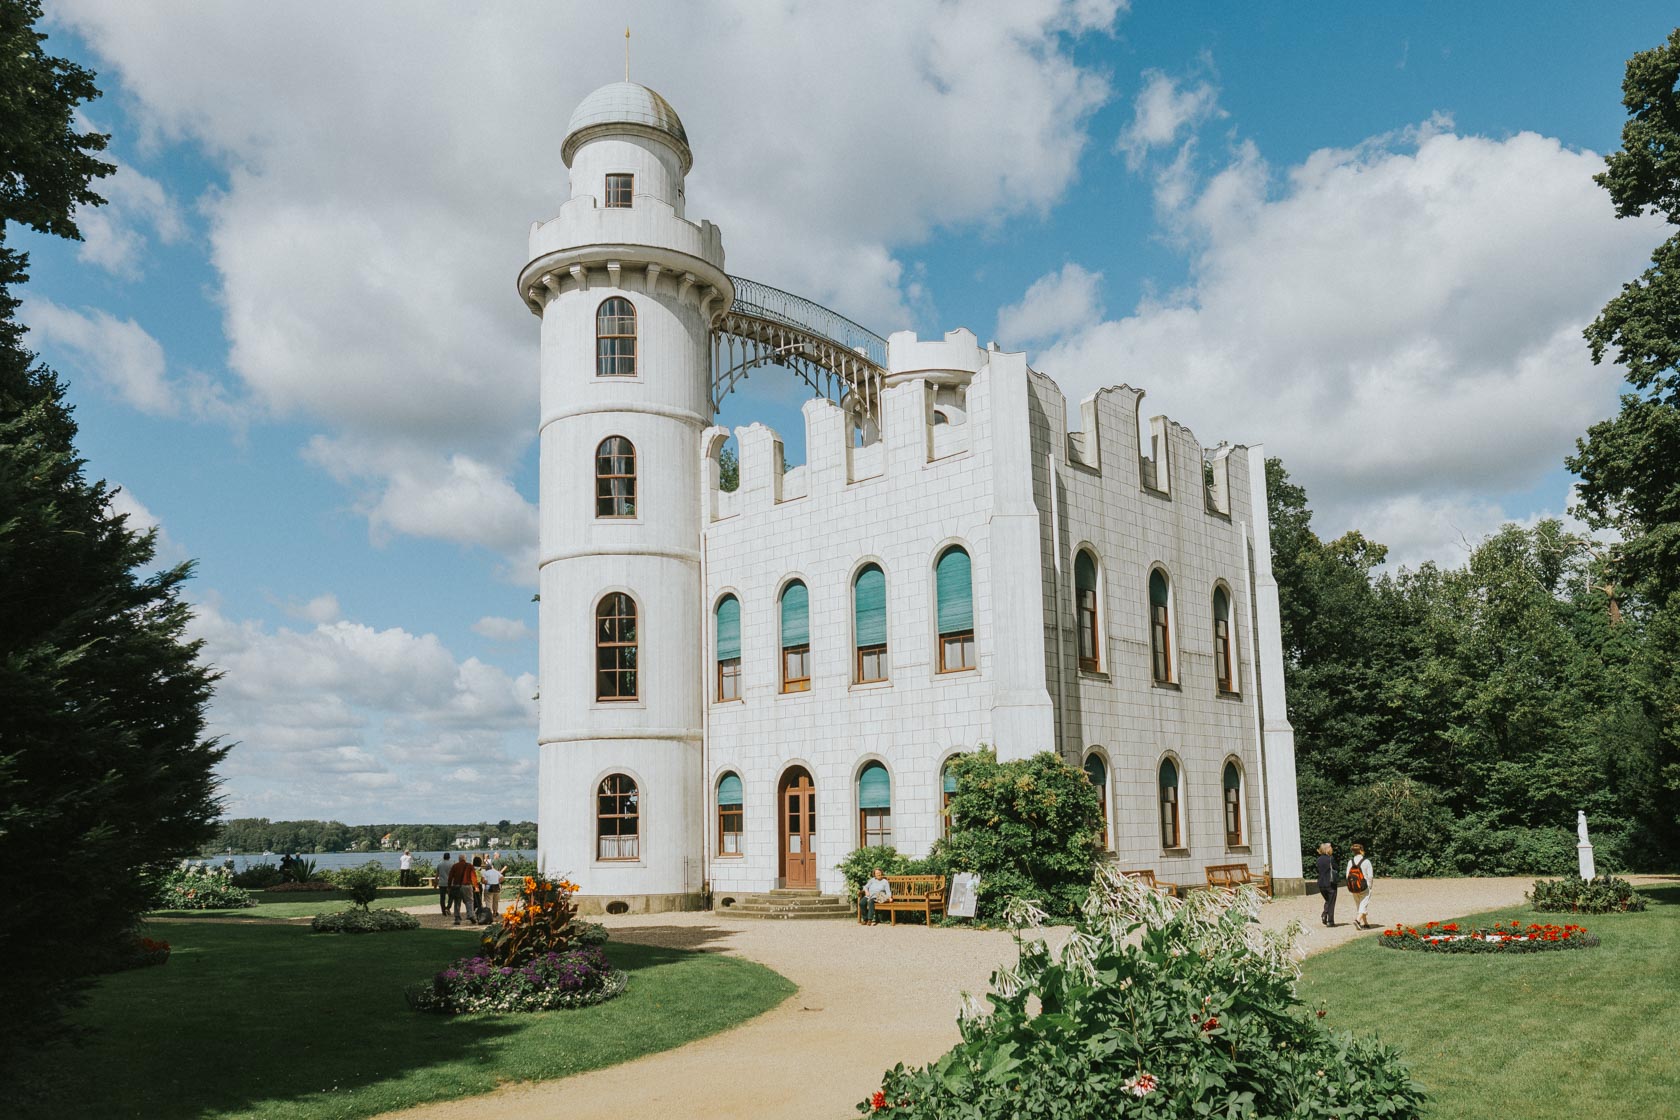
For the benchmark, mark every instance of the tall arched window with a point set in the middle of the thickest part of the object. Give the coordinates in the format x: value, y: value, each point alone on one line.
x: 1224, y: 642
x: 954, y: 589
x: 869, y: 624
x: 617, y: 818
x: 874, y: 807
x: 1097, y: 773
x: 729, y: 648
x: 615, y: 338
x: 615, y: 478
x: 731, y: 815
x: 1160, y: 627
x: 1085, y: 602
x: 948, y: 790
x: 1172, y: 831
x: 796, y: 638
x: 1233, y: 804
x: 615, y: 647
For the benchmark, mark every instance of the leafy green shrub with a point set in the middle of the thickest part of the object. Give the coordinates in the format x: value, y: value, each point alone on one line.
x: 312, y: 886
x: 361, y: 884
x: 301, y: 871
x: 1153, y: 1008
x: 1572, y: 894
x: 257, y: 877
x: 373, y: 870
x: 573, y: 978
x: 588, y: 933
x: 362, y: 920
x: 201, y: 888
x: 1479, y: 849
x: 1401, y: 822
x: 862, y: 862
x: 1029, y: 828
x: 522, y: 868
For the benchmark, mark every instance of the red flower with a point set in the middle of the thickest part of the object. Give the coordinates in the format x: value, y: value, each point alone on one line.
x: 1213, y: 1021
x: 878, y: 1101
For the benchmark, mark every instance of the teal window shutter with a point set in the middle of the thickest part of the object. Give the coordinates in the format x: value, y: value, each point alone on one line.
x: 955, y: 591
x: 874, y: 787
x: 1084, y: 572
x: 869, y: 596
x: 950, y: 779
x: 1096, y: 771
x: 796, y: 616
x: 1221, y: 605
x: 1157, y: 589
x: 1233, y: 777
x: 729, y: 628
x: 1169, y: 774
x: 729, y: 790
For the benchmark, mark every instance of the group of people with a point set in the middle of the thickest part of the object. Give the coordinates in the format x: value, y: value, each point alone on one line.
x: 472, y: 887
x: 1358, y: 875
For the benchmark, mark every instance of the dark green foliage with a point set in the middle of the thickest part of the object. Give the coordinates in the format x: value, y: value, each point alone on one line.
x: 259, y: 834
x: 102, y: 755
x: 361, y: 884
x: 1180, y: 995
x: 360, y: 919
x: 1575, y: 895
x: 729, y: 470
x: 258, y: 876
x: 1029, y: 828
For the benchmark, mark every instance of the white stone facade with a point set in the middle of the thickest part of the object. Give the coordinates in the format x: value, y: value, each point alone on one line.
x: 971, y: 448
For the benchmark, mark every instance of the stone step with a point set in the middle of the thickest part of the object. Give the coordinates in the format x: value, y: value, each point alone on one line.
x: 788, y: 907
x: 789, y: 915
x: 785, y: 904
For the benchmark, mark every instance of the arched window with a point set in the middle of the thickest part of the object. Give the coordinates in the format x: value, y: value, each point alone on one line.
x: 617, y: 819
x: 953, y: 582
x: 729, y: 648
x: 796, y: 638
x: 1097, y: 774
x: 874, y: 807
x: 1160, y: 627
x: 615, y: 647
x: 731, y: 815
x: 1172, y: 831
x: 869, y: 624
x: 1233, y: 804
x: 615, y: 478
x: 1224, y: 642
x: 615, y: 338
x: 1085, y: 596
x: 948, y: 790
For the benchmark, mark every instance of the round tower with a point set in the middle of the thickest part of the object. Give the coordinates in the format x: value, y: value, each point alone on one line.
x: 626, y: 288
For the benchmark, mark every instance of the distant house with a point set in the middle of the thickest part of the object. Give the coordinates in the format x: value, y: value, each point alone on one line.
x: 470, y: 840
x: 385, y: 841
x: 495, y: 841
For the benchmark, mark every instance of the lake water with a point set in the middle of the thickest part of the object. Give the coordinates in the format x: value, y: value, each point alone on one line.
x: 337, y: 861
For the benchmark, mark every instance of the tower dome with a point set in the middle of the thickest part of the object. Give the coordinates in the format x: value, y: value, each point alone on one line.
x: 626, y: 107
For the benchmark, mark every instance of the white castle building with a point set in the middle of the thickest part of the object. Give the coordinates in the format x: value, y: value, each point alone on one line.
x: 740, y: 687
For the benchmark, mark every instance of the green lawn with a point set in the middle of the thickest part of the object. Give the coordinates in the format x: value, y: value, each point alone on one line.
x: 1575, y: 1035
x: 271, y: 1021
x: 307, y: 904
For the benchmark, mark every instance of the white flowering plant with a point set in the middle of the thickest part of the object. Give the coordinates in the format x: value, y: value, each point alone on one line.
x: 196, y: 887
x: 1152, y: 1008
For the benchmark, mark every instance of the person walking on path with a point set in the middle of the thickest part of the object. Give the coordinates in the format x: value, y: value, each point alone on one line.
x: 405, y: 866
x: 462, y: 879
x: 443, y: 870
x: 492, y: 891
x: 1359, y: 879
x: 1327, y: 882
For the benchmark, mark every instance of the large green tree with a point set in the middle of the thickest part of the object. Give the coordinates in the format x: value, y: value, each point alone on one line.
x: 105, y: 773
x: 1630, y: 464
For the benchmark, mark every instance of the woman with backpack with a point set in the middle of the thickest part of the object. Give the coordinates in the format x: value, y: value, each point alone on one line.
x: 1359, y: 879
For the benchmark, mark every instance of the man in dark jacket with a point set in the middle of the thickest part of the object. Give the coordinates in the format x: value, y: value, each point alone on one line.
x: 1327, y: 882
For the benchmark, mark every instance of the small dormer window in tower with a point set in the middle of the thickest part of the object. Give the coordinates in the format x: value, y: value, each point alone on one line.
x: 620, y: 190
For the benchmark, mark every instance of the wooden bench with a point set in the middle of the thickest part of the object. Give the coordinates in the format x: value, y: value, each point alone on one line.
x: 913, y: 894
x: 429, y: 881
x: 1147, y: 878
x: 1230, y: 876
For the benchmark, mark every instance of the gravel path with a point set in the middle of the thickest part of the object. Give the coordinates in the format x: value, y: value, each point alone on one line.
x: 868, y: 998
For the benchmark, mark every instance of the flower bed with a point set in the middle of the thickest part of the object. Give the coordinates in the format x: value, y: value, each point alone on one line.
x: 1574, y: 895
x: 575, y: 978
x: 1512, y: 937
x: 359, y: 920
x: 201, y: 888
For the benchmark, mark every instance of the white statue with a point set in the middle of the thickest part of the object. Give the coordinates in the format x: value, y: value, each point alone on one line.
x: 1583, y: 847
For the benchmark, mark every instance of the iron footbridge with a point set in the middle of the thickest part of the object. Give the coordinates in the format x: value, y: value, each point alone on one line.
x: 767, y: 327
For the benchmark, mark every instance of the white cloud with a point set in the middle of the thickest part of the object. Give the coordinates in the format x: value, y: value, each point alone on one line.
x: 358, y: 723
x: 1400, y: 322
x: 502, y: 629
x: 371, y: 225
x: 1056, y: 303
x: 117, y: 352
x: 320, y: 610
x: 116, y: 236
x: 1163, y: 110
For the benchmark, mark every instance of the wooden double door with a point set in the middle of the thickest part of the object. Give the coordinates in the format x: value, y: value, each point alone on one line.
x: 797, y: 826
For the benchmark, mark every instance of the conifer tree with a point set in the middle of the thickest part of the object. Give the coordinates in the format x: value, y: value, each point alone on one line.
x: 105, y: 774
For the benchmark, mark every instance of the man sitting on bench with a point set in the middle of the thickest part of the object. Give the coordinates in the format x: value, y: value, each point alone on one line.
x: 875, y: 889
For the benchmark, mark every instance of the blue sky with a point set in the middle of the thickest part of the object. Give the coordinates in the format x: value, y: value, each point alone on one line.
x: 1366, y: 237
